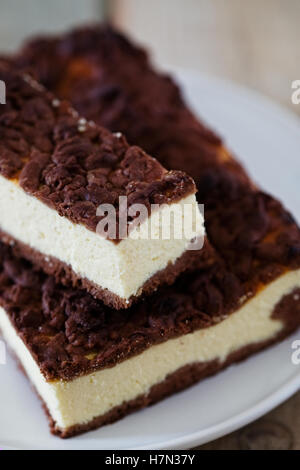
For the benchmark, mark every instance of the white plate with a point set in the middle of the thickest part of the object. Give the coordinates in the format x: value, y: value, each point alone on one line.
x: 267, y: 138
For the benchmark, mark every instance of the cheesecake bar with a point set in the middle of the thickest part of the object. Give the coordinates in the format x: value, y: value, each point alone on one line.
x: 92, y: 365
x: 111, y: 80
x: 84, y: 205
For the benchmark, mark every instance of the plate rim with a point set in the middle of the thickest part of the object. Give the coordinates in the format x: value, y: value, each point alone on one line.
x: 236, y: 422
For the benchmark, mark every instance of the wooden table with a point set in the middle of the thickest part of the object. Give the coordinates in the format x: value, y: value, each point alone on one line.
x: 254, y: 43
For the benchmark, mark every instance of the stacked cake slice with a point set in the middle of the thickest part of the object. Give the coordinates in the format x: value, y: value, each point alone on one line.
x: 93, y: 363
x: 85, y: 206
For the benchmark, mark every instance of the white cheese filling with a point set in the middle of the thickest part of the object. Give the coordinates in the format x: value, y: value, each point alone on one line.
x: 86, y: 397
x: 121, y: 268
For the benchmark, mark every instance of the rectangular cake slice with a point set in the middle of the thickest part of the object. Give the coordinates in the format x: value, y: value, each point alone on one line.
x: 91, y: 365
x: 84, y: 205
x: 96, y: 68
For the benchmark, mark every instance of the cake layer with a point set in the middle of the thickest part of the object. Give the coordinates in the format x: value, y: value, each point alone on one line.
x: 96, y: 69
x: 89, y: 367
x: 57, y: 172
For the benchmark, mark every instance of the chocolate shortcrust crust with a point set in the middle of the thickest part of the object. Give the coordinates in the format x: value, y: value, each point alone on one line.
x: 111, y: 80
x: 73, y: 165
x: 64, y: 273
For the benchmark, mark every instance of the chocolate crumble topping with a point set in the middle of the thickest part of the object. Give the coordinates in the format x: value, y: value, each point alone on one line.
x: 71, y: 165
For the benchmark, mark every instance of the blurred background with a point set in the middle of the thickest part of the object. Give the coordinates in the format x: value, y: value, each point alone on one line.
x: 254, y: 43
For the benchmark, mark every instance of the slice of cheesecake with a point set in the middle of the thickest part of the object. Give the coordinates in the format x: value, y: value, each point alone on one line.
x: 84, y: 205
x: 92, y: 365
